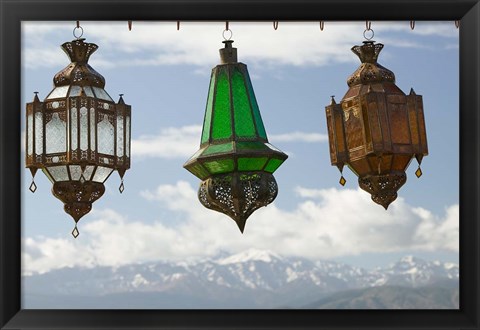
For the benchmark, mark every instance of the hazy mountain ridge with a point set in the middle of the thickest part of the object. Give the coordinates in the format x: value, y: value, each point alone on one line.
x: 251, y: 279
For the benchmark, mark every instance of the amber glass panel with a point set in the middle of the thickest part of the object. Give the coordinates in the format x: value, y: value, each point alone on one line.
x: 251, y: 164
x: 222, y: 121
x: 219, y: 166
x: 207, y: 121
x: 244, y: 125
x: 256, y: 111
x: 218, y: 148
x: 273, y: 164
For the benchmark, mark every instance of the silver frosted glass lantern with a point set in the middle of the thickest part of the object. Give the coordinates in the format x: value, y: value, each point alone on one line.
x: 78, y: 135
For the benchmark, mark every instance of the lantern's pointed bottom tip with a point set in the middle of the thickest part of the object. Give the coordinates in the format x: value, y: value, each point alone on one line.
x: 241, y: 225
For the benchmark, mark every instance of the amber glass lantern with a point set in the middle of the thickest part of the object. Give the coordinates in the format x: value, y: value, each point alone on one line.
x: 376, y: 129
x: 78, y: 135
x: 235, y: 161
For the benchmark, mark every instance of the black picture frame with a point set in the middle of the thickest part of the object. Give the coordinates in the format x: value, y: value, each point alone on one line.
x: 14, y: 11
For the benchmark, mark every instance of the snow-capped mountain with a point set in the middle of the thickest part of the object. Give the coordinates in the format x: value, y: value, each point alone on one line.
x: 250, y: 279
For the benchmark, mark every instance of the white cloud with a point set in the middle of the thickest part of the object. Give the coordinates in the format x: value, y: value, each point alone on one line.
x: 298, y: 137
x: 326, y: 223
x: 170, y: 143
x: 159, y: 43
x: 182, y: 142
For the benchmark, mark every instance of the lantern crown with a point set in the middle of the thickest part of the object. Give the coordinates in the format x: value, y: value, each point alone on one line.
x: 369, y: 71
x: 79, y: 72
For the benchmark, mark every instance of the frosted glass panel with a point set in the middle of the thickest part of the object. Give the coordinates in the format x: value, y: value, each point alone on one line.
x: 30, y: 134
x: 87, y: 174
x: 38, y: 133
x: 44, y: 170
x: 75, y: 91
x: 102, y: 94
x: 83, y: 128
x: 120, y: 139
x: 74, y: 128
x: 92, y: 129
x: 56, y: 131
x: 59, y: 173
x: 101, y: 174
x: 58, y: 92
x: 88, y: 91
x: 105, y: 136
x: 127, y: 127
x: 75, y: 172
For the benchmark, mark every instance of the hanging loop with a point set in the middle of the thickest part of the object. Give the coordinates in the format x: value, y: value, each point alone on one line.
x: 365, y: 34
x: 368, y: 25
x: 229, y: 37
x: 178, y: 25
x: 457, y: 24
x: 78, y: 31
x: 412, y: 25
x: 322, y: 24
x: 275, y: 25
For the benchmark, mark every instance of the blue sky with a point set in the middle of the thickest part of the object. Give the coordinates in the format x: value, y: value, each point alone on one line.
x: 164, y: 74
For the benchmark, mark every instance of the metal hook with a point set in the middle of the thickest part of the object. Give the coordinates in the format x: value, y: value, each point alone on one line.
x: 368, y: 25
x: 275, y: 25
x: 178, y: 25
x: 129, y: 25
x: 78, y: 24
x: 226, y: 26
x: 322, y: 24
x: 457, y: 24
x: 412, y: 25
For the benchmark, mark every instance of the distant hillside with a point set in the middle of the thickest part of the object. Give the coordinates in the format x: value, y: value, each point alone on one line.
x: 391, y: 297
x: 250, y: 279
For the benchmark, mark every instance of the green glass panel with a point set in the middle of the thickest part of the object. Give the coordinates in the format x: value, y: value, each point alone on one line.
x: 219, y: 166
x: 218, y: 148
x: 222, y: 121
x: 244, y: 125
x: 256, y: 111
x: 199, y: 171
x: 272, y: 165
x: 208, y: 111
x: 241, y: 146
x: 251, y: 164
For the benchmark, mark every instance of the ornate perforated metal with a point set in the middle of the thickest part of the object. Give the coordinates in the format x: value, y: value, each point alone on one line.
x: 235, y: 160
x: 376, y: 129
x: 78, y: 135
x: 238, y: 194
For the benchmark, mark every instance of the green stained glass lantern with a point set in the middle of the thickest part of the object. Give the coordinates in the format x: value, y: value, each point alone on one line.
x: 235, y: 161
x: 78, y: 135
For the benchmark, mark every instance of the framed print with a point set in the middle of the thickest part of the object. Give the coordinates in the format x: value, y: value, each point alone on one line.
x: 147, y: 244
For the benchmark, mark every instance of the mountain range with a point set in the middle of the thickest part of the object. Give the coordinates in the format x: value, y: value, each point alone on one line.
x: 250, y: 279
